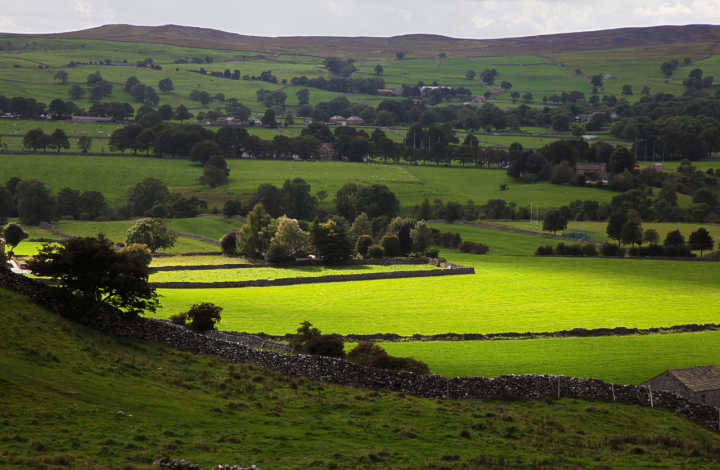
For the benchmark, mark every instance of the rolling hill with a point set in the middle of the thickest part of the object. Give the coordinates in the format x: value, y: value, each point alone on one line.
x: 416, y: 45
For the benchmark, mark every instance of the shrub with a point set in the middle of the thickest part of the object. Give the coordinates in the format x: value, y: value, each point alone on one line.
x: 446, y: 239
x: 326, y: 345
x: 203, y: 317
x: 151, y: 232
x: 391, y: 245
x: 568, y: 250
x: 589, y: 250
x: 234, y: 207
x: 305, y: 333
x: 474, y: 248
x: 179, y: 318
x: 679, y: 252
x: 401, y: 363
x: 365, y: 353
x: 364, y: 242
x: 645, y: 251
x: 228, y: 244
x: 609, y: 249
x: 278, y: 253
x: 375, y: 251
x: 373, y: 355
x: 546, y: 250
x: 432, y: 253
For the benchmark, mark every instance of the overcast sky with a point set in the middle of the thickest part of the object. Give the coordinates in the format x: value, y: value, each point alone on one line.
x: 482, y: 19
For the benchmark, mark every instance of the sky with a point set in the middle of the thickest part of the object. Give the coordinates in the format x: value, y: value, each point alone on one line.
x: 482, y: 19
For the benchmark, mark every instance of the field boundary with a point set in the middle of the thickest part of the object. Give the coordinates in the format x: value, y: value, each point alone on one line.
x: 302, y: 262
x: 507, y: 336
x: 288, y: 281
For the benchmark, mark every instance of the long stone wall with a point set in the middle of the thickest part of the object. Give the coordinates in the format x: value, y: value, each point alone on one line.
x: 342, y: 372
x: 314, y: 279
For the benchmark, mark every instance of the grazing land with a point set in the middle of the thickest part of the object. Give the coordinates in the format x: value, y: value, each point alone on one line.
x: 618, y: 359
x: 505, y: 294
x: 114, y: 176
x: 122, y: 397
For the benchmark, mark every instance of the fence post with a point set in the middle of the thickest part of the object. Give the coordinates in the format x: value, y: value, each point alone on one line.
x: 651, y: 397
x: 612, y: 389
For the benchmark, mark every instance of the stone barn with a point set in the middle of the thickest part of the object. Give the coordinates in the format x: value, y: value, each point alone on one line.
x: 700, y: 384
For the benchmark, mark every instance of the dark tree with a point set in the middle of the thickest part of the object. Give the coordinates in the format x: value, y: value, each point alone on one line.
x: 59, y: 140
x: 76, y: 92
x: 68, y: 203
x: 615, y: 225
x: 620, y: 160
x: 470, y: 75
x: 271, y: 198
x: 13, y: 235
x: 182, y: 113
x: 379, y: 70
x: 215, y: 171
x: 92, y: 205
x: 554, y: 221
x: 701, y: 240
x: 269, y: 119
x: 7, y: 204
x: 61, y: 76
x: 35, y: 203
x: 303, y: 96
x: 202, y: 151
x: 332, y: 241
x: 297, y: 200
x: 92, y: 270
x: 674, y: 239
x: 166, y: 85
x: 146, y: 194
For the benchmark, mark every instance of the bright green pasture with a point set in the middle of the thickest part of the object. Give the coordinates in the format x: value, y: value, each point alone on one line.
x: 507, y: 293
x: 212, y: 227
x: 248, y: 274
x: 702, y: 165
x: 599, y: 233
x: 114, y: 176
x: 618, y: 359
x: 117, y: 232
x: 196, y: 260
x: 500, y: 242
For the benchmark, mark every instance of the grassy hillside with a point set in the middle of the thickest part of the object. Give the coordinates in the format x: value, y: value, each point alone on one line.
x: 74, y: 398
x: 114, y: 176
x: 507, y: 293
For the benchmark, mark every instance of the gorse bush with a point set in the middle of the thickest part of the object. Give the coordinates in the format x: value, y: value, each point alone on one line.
x: 326, y: 345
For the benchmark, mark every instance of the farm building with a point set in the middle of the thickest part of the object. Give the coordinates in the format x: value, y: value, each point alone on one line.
x: 389, y: 91
x: 337, y: 120
x: 354, y: 121
x: 700, y: 384
x: 594, y: 170
x: 91, y: 119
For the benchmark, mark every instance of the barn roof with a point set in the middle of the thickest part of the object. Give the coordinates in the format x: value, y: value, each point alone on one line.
x: 699, y: 378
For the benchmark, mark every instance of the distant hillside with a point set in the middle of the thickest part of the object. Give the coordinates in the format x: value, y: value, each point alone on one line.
x: 415, y: 45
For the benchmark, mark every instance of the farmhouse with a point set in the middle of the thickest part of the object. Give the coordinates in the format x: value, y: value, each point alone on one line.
x: 337, y: 120
x: 700, y: 384
x: 389, y: 91
x: 592, y: 170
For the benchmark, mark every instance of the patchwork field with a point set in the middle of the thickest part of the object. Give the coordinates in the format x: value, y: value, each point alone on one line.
x: 114, y: 176
x: 505, y: 294
x: 619, y: 359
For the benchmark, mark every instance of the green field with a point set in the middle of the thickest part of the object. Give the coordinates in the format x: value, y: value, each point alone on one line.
x: 618, y: 359
x: 114, y: 176
x: 130, y: 402
x: 248, y: 274
x: 598, y: 232
x: 506, y: 294
x: 500, y: 242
